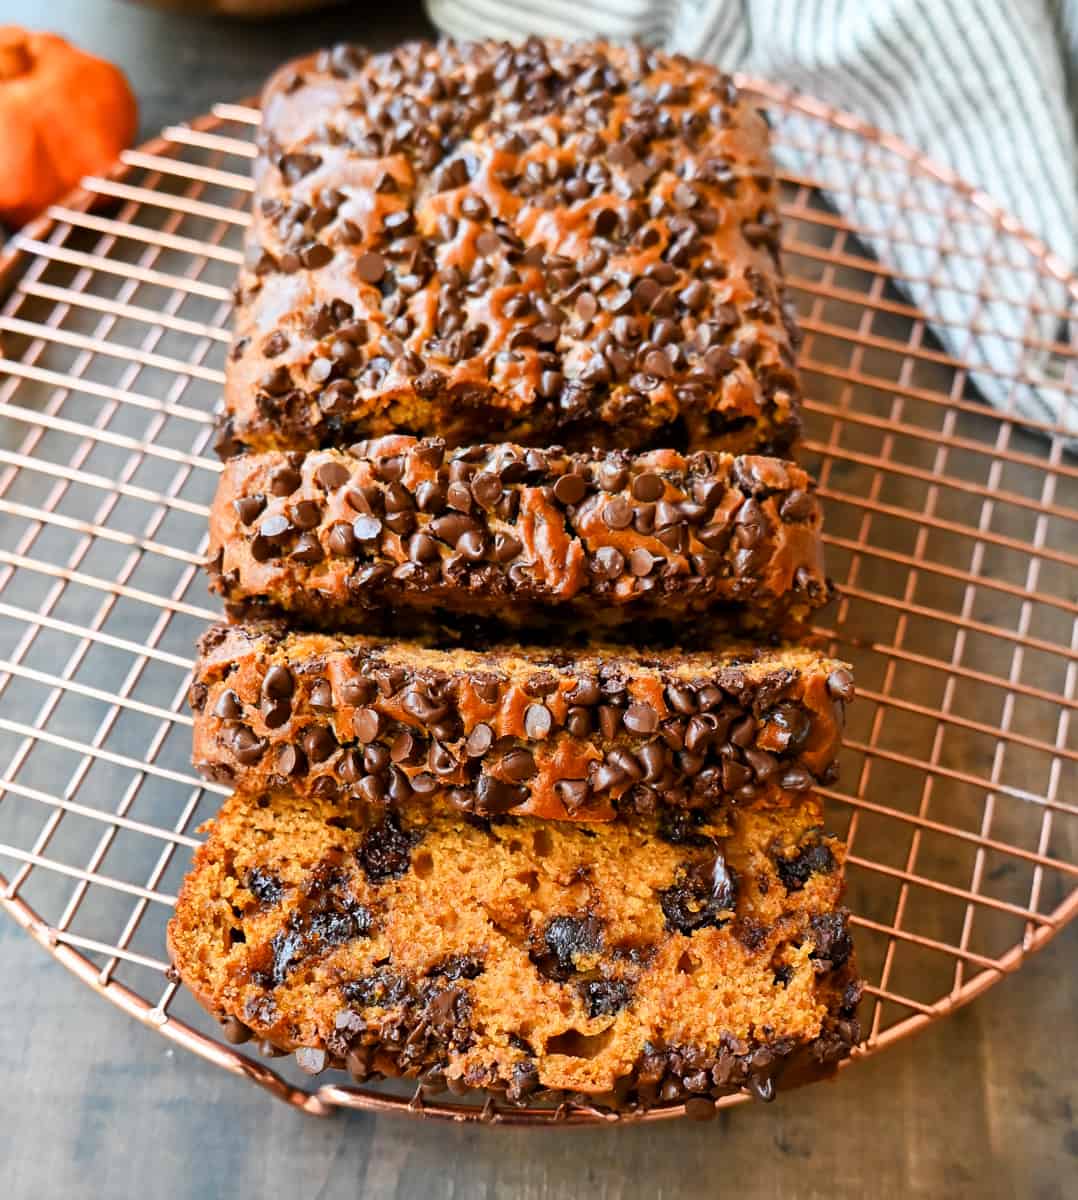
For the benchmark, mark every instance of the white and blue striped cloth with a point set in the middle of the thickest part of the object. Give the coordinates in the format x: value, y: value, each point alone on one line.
x: 987, y: 87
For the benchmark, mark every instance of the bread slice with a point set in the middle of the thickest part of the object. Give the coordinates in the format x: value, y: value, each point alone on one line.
x: 518, y: 729
x: 533, y: 958
x: 699, y: 544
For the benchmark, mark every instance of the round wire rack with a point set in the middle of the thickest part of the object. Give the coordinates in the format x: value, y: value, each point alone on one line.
x: 952, y: 530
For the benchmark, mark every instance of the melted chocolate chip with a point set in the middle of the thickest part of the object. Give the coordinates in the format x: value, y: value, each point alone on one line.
x: 265, y: 886
x: 386, y: 850
x: 703, y: 895
x: 565, y: 942
x: 815, y: 858
x: 833, y: 942
x: 606, y: 997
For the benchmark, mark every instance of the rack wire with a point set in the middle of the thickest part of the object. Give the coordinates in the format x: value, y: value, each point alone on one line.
x: 952, y: 530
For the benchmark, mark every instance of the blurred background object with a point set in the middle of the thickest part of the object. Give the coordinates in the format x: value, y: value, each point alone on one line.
x: 63, y: 114
x: 242, y: 8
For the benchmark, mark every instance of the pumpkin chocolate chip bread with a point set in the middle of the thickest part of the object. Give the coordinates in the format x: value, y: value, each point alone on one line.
x: 523, y: 956
x: 531, y: 731
x: 572, y: 243
x: 521, y: 537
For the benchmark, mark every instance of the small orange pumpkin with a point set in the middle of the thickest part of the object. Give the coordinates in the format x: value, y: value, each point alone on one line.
x: 63, y: 114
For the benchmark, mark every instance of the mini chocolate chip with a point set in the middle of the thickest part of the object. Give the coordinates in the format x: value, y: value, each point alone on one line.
x: 249, y: 508
x: 350, y: 766
x: 291, y: 761
x: 798, y: 506
x: 618, y: 513
x: 648, y: 486
x: 276, y: 343
x: 452, y: 527
x: 247, y: 746
x: 274, y: 526
x: 506, y: 547
x: 608, y: 562
x: 585, y: 691
x: 423, y: 548
x: 278, y: 683
x: 570, y: 489
x: 459, y: 496
x: 743, y: 732
x: 471, y: 545
x: 479, y: 741
x: 612, y: 478
x: 518, y: 765
x: 366, y: 528
x: 653, y: 758
x: 332, y: 475
x: 367, y: 724
x: 537, y: 721
x: 486, y: 488
x: 701, y: 731
x: 371, y: 789
x: 338, y: 397
x: 578, y: 722
x: 605, y: 223
x: 609, y: 721
x: 342, y: 540
x: 641, y: 718
x: 306, y: 514
x: 840, y: 684
x: 734, y: 774
x: 681, y: 698
x: 641, y: 562
x: 370, y: 267
x: 574, y: 793
x: 319, y: 743
x: 275, y: 713
x: 403, y: 746
x: 763, y: 764
x: 357, y: 691
x: 423, y: 707
x: 228, y: 706
x: 492, y: 797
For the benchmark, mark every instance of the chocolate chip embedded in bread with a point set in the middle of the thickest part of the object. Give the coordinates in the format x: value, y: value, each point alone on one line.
x: 385, y: 852
x: 350, y: 939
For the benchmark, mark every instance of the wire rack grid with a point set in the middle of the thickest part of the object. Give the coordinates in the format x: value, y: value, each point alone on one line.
x: 952, y: 531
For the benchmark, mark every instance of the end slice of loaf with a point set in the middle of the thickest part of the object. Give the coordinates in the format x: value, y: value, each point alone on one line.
x: 532, y: 958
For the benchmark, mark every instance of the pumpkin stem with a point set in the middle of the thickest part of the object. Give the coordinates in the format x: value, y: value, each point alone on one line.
x: 15, y: 60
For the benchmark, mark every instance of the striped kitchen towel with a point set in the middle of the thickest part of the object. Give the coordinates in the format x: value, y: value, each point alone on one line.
x: 987, y: 87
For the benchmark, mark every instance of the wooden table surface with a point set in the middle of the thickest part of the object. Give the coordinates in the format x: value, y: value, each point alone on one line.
x: 91, y: 1104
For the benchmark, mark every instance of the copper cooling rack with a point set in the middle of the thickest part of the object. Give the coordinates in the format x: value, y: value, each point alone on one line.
x: 952, y: 530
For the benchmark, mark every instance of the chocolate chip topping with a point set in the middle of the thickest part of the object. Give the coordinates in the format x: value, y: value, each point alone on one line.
x: 409, y: 532
x: 659, y: 311
x: 549, y: 734
x: 537, y: 721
